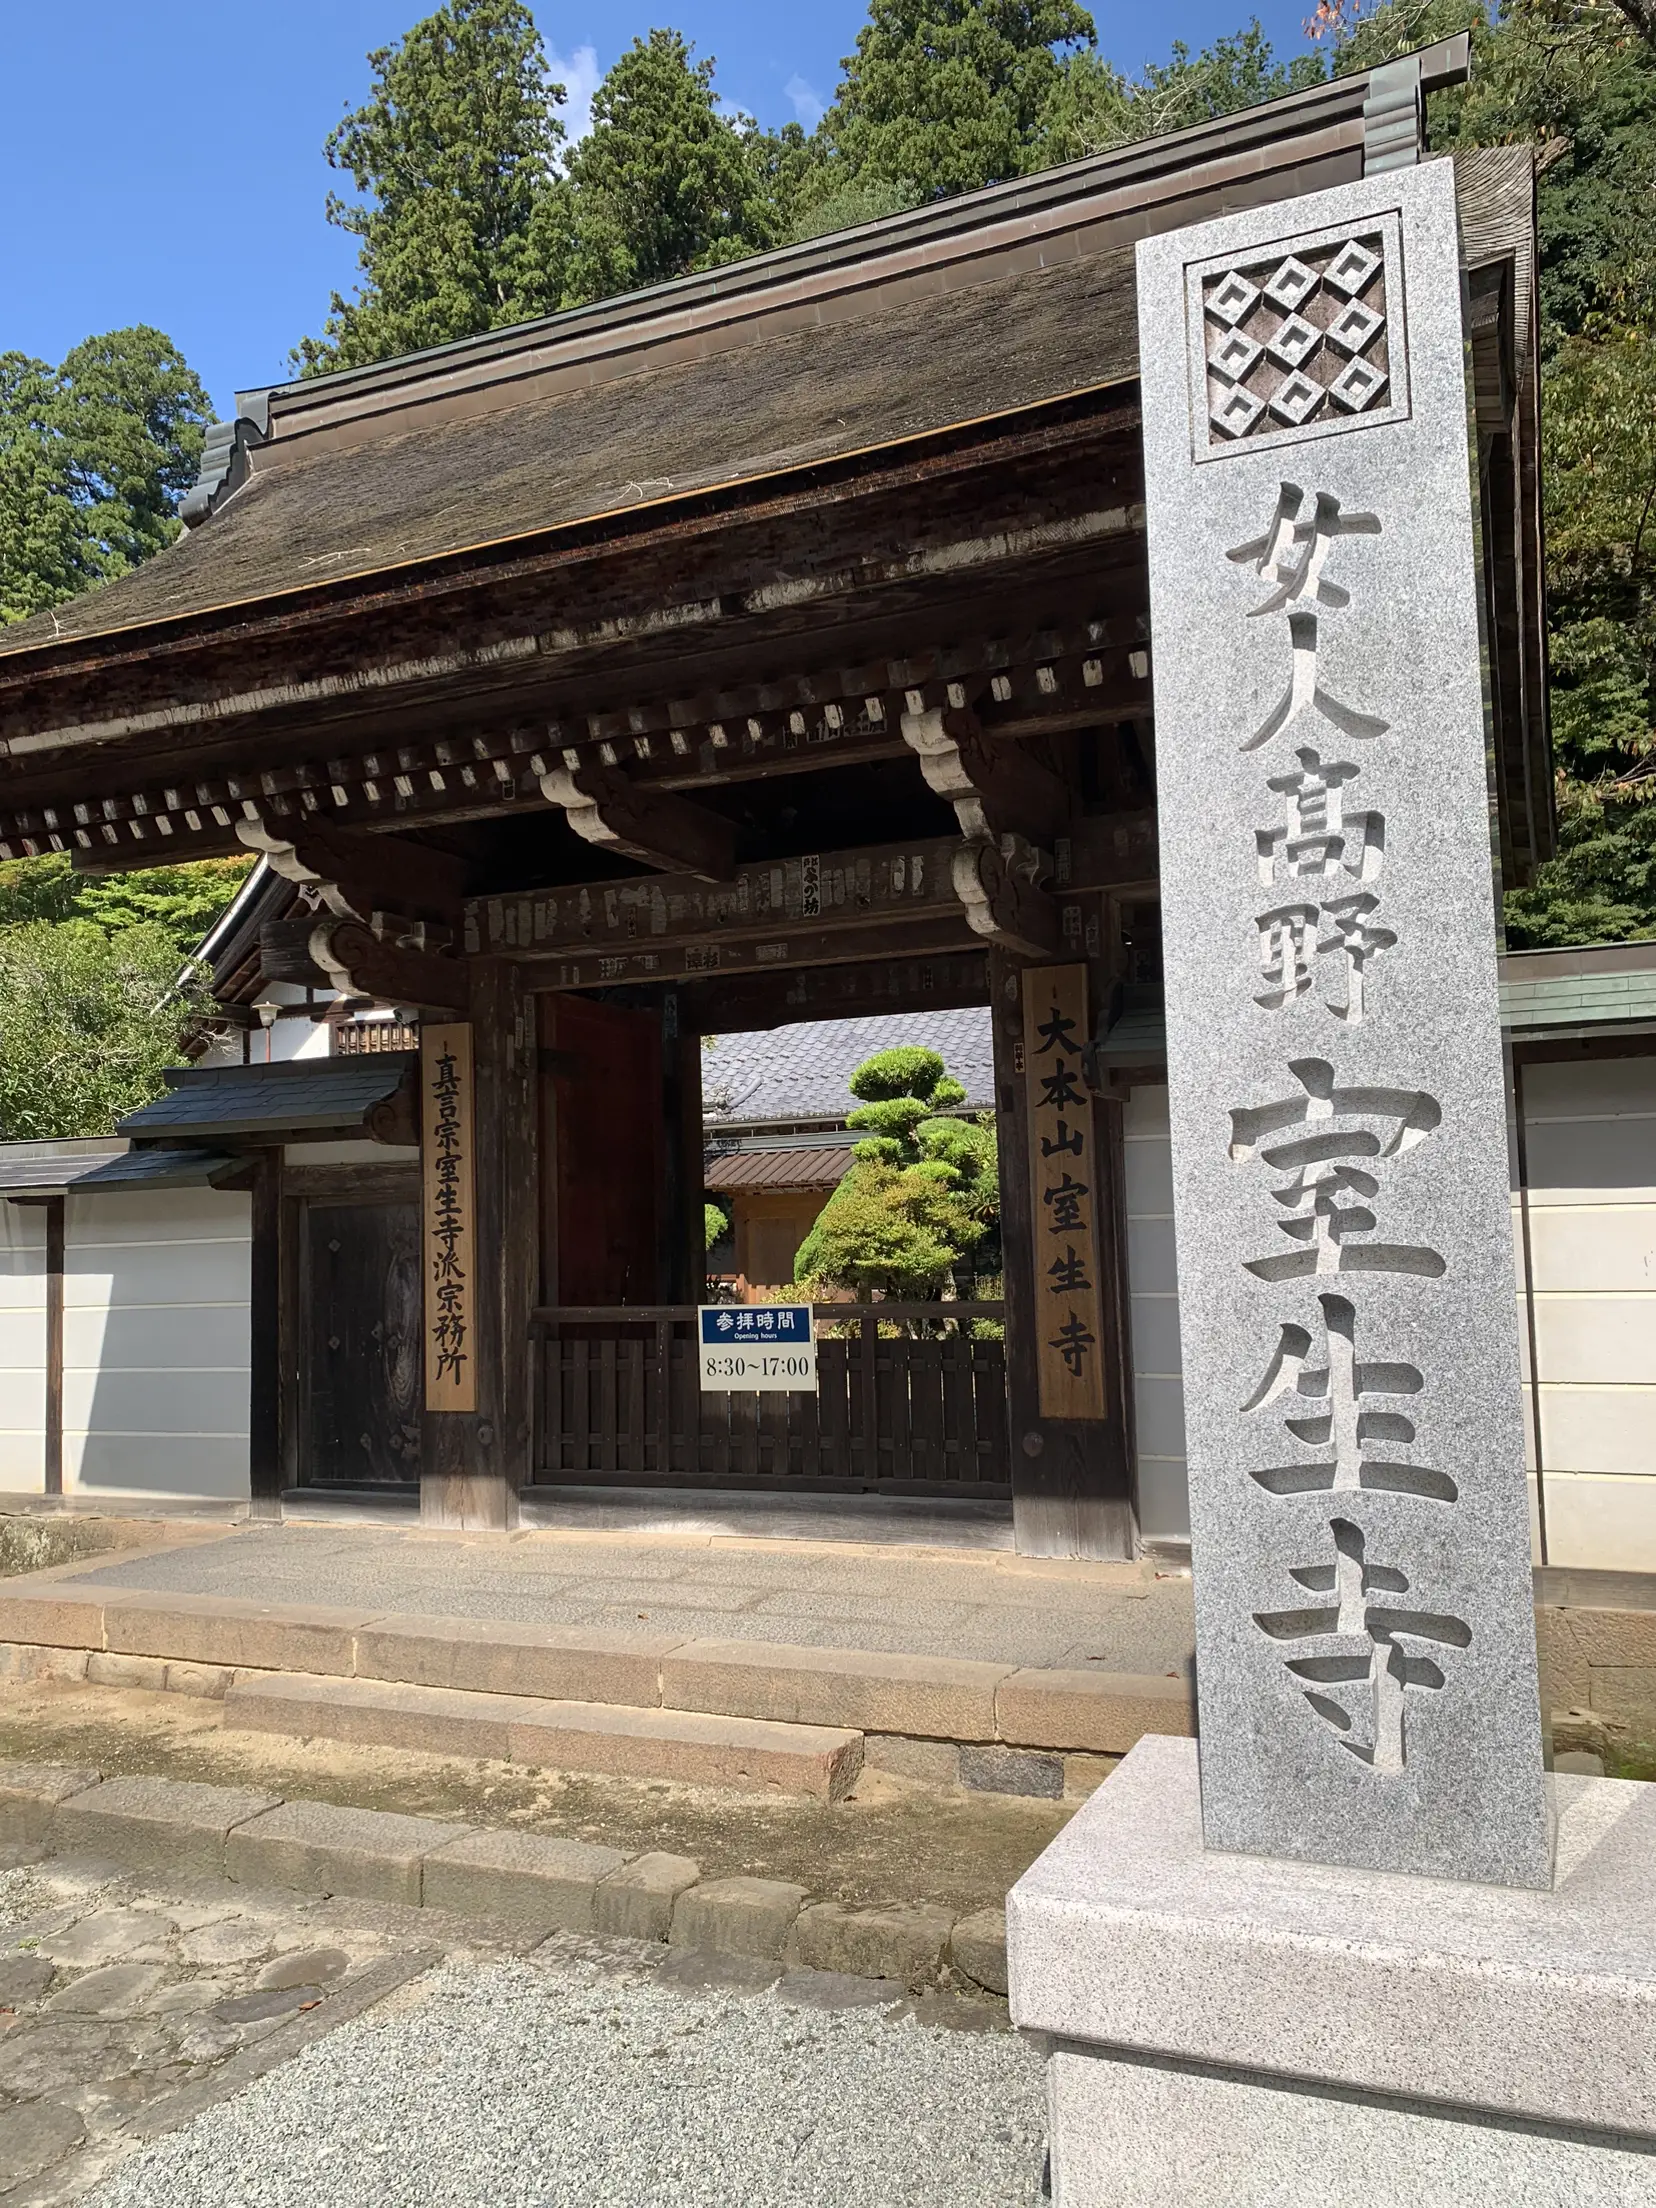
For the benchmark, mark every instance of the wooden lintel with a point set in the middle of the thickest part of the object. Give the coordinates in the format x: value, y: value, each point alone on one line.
x: 741, y: 1003
x: 607, y: 809
x: 762, y: 901
x: 359, y: 963
x: 930, y: 934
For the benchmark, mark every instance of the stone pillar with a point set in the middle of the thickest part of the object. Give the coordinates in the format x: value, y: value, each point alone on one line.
x: 1279, y: 1983
x: 1360, y: 1527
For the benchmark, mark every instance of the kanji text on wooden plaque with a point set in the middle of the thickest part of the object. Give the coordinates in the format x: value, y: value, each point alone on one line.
x: 1063, y: 1161
x: 447, y: 1217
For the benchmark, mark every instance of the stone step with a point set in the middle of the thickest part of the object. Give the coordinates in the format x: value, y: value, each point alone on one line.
x: 695, y: 1747
x: 199, y: 1643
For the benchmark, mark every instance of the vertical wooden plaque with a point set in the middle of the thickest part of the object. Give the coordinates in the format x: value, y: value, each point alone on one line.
x: 448, y: 1213
x: 1063, y: 1177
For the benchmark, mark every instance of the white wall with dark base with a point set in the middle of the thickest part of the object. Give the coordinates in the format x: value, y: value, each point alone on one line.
x: 155, y: 1346
x: 22, y: 1349
x: 1590, y: 1150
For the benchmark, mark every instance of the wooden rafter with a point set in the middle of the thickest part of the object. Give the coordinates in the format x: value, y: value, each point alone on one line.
x: 1092, y: 673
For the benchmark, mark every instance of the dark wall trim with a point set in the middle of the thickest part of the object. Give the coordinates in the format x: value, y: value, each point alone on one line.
x: 54, y: 1211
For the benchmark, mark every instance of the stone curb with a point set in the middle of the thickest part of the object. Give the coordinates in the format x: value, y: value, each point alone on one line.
x: 531, y: 1883
x: 202, y: 1644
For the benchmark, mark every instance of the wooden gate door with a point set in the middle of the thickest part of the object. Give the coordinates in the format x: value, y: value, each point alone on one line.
x: 604, y: 1235
x: 362, y: 1379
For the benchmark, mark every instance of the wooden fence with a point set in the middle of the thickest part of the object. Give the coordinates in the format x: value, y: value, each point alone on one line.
x: 911, y: 1400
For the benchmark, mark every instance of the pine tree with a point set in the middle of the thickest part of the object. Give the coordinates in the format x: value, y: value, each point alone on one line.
x: 94, y: 458
x: 942, y: 96
x: 463, y: 219
x: 665, y: 183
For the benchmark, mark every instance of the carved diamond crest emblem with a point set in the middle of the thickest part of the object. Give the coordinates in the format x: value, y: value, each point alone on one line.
x: 1301, y: 342
x: 1358, y: 383
x: 1294, y: 342
x: 1235, y: 411
x: 1234, y: 355
x: 1296, y: 398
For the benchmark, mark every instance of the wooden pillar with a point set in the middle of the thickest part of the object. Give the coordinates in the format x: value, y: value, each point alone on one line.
x: 684, y: 1239
x: 264, y: 1385
x: 474, y: 1462
x: 54, y: 1210
x: 1071, y: 1477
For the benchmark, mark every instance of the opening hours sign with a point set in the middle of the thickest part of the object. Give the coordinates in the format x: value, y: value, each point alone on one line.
x: 768, y: 1346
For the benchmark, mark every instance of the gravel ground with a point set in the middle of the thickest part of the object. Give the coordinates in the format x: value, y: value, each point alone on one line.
x: 561, y: 2080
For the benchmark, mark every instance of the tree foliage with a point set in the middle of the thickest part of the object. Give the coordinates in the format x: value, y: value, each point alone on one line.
x: 462, y: 219
x: 94, y: 457
x: 1573, y: 77
x: 182, y: 900
x: 665, y: 183
x: 922, y: 1192
x: 941, y: 96
x: 88, y: 1022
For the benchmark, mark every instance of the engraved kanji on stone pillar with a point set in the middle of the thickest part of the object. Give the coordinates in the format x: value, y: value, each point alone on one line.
x: 1359, y: 1518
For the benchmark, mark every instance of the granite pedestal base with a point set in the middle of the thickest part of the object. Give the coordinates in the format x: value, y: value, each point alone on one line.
x: 1229, y: 2031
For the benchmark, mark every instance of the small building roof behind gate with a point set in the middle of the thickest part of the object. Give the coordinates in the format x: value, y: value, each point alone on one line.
x: 298, y: 1097
x: 802, y: 1074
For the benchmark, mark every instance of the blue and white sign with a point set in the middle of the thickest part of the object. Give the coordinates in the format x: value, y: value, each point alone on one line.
x: 758, y: 1345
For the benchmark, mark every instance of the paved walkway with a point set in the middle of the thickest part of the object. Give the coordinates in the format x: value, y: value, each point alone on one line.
x: 925, y: 1602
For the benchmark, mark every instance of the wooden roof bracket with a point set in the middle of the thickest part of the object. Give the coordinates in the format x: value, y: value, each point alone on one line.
x: 1008, y: 807
x: 607, y: 809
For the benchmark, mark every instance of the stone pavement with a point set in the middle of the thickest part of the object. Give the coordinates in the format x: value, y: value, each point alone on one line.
x: 179, y: 2042
x: 987, y: 1605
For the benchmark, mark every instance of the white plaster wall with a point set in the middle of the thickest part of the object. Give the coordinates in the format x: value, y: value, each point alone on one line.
x: 1590, y: 1134
x: 22, y: 1349
x: 155, y: 1345
x: 1152, y: 1280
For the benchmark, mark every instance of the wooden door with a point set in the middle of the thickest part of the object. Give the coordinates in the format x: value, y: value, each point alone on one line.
x: 362, y: 1377
x: 604, y: 1232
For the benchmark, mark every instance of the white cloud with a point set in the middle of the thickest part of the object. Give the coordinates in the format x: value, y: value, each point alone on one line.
x: 806, y: 105
x: 580, y: 77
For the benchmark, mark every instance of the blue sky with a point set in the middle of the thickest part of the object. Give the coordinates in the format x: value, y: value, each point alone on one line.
x: 165, y: 165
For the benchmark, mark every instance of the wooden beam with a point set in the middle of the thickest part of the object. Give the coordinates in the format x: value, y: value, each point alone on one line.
x: 359, y: 963
x: 359, y: 875
x: 606, y: 809
x: 743, y: 1002
x: 928, y: 936
x: 1074, y: 674
x: 819, y: 893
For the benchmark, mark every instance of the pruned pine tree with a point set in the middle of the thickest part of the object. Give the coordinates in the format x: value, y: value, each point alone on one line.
x: 923, y: 1190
